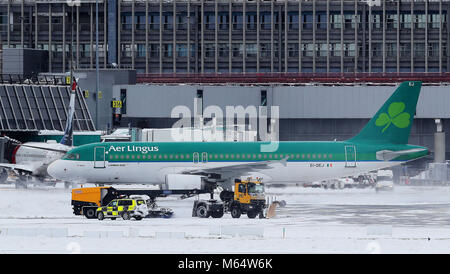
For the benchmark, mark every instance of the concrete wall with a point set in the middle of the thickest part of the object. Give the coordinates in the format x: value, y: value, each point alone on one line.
x: 304, y: 102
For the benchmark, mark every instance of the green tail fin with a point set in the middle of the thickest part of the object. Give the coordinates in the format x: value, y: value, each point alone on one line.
x: 392, y: 123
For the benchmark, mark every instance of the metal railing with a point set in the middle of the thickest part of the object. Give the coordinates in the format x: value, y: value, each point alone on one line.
x: 292, y: 78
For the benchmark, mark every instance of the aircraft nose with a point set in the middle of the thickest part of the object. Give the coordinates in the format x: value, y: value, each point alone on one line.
x: 57, y: 170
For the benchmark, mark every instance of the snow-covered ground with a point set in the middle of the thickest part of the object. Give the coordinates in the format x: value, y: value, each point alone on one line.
x: 407, y: 220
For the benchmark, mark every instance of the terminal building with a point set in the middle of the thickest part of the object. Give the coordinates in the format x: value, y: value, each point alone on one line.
x: 228, y: 36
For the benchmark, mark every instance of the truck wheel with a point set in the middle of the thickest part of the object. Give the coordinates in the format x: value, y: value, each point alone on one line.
x: 126, y: 215
x: 89, y: 213
x: 252, y: 214
x: 202, y: 211
x: 217, y: 214
x: 138, y: 218
x: 100, y: 216
x: 235, y: 212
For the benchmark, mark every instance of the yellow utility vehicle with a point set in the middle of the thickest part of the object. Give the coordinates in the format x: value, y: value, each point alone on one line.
x: 248, y: 198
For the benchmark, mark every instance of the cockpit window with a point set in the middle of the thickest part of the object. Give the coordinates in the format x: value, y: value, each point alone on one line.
x: 72, y: 156
x: 255, y: 188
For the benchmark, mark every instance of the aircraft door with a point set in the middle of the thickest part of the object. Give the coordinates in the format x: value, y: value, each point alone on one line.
x: 196, y: 157
x: 99, y: 157
x: 350, y: 156
x: 204, y: 157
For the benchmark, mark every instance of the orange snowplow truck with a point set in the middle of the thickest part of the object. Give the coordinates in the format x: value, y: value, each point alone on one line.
x: 86, y: 200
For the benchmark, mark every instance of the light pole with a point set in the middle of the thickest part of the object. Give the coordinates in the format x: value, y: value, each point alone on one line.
x: 97, y: 80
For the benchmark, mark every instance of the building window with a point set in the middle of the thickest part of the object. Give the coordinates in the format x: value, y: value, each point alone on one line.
x: 336, y: 49
x: 168, y: 21
x: 224, y: 21
x: 308, y: 49
x: 307, y: 21
x: 321, y: 21
x: 127, y: 21
x: 293, y: 21
x: 266, y: 21
x: 335, y: 21
x: 223, y: 50
x: 405, y: 49
x: 141, y: 50
x: 210, y: 21
x: 251, y: 21
x: 293, y: 50
x: 391, y: 49
x: 167, y: 48
x: 209, y: 51
x: 405, y: 20
x: 181, y: 50
x: 251, y: 50
x: 376, y: 21
x: 237, y: 21
x: 391, y: 21
x: 154, y: 21
x: 420, y: 21
x: 419, y: 49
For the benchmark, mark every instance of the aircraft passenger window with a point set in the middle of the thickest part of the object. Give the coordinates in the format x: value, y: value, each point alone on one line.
x: 265, y: 156
x: 238, y: 156
x: 309, y: 156
x: 187, y: 156
x: 128, y: 157
x: 132, y: 156
x: 182, y: 156
x: 176, y: 156
x: 243, y: 156
x: 221, y: 156
x: 215, y: 156
x: 319, y: 156
x: 303, y: 156
x: 270, y: 156
x: 254, y: 156
x: 330, y: 156
x: 324, y: 156
x: 314, y: 156
x: 171, y: 156
x: 232, y: 156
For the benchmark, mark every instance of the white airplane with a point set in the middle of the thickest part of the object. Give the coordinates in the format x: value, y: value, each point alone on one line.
x: 381, y: 143
x: 31, y: 159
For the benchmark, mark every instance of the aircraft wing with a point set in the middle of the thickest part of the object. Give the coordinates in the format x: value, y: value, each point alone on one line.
x: 387, y: 155
x: 62, y: 150
x: 235, y: 170
x: 26, y: 168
